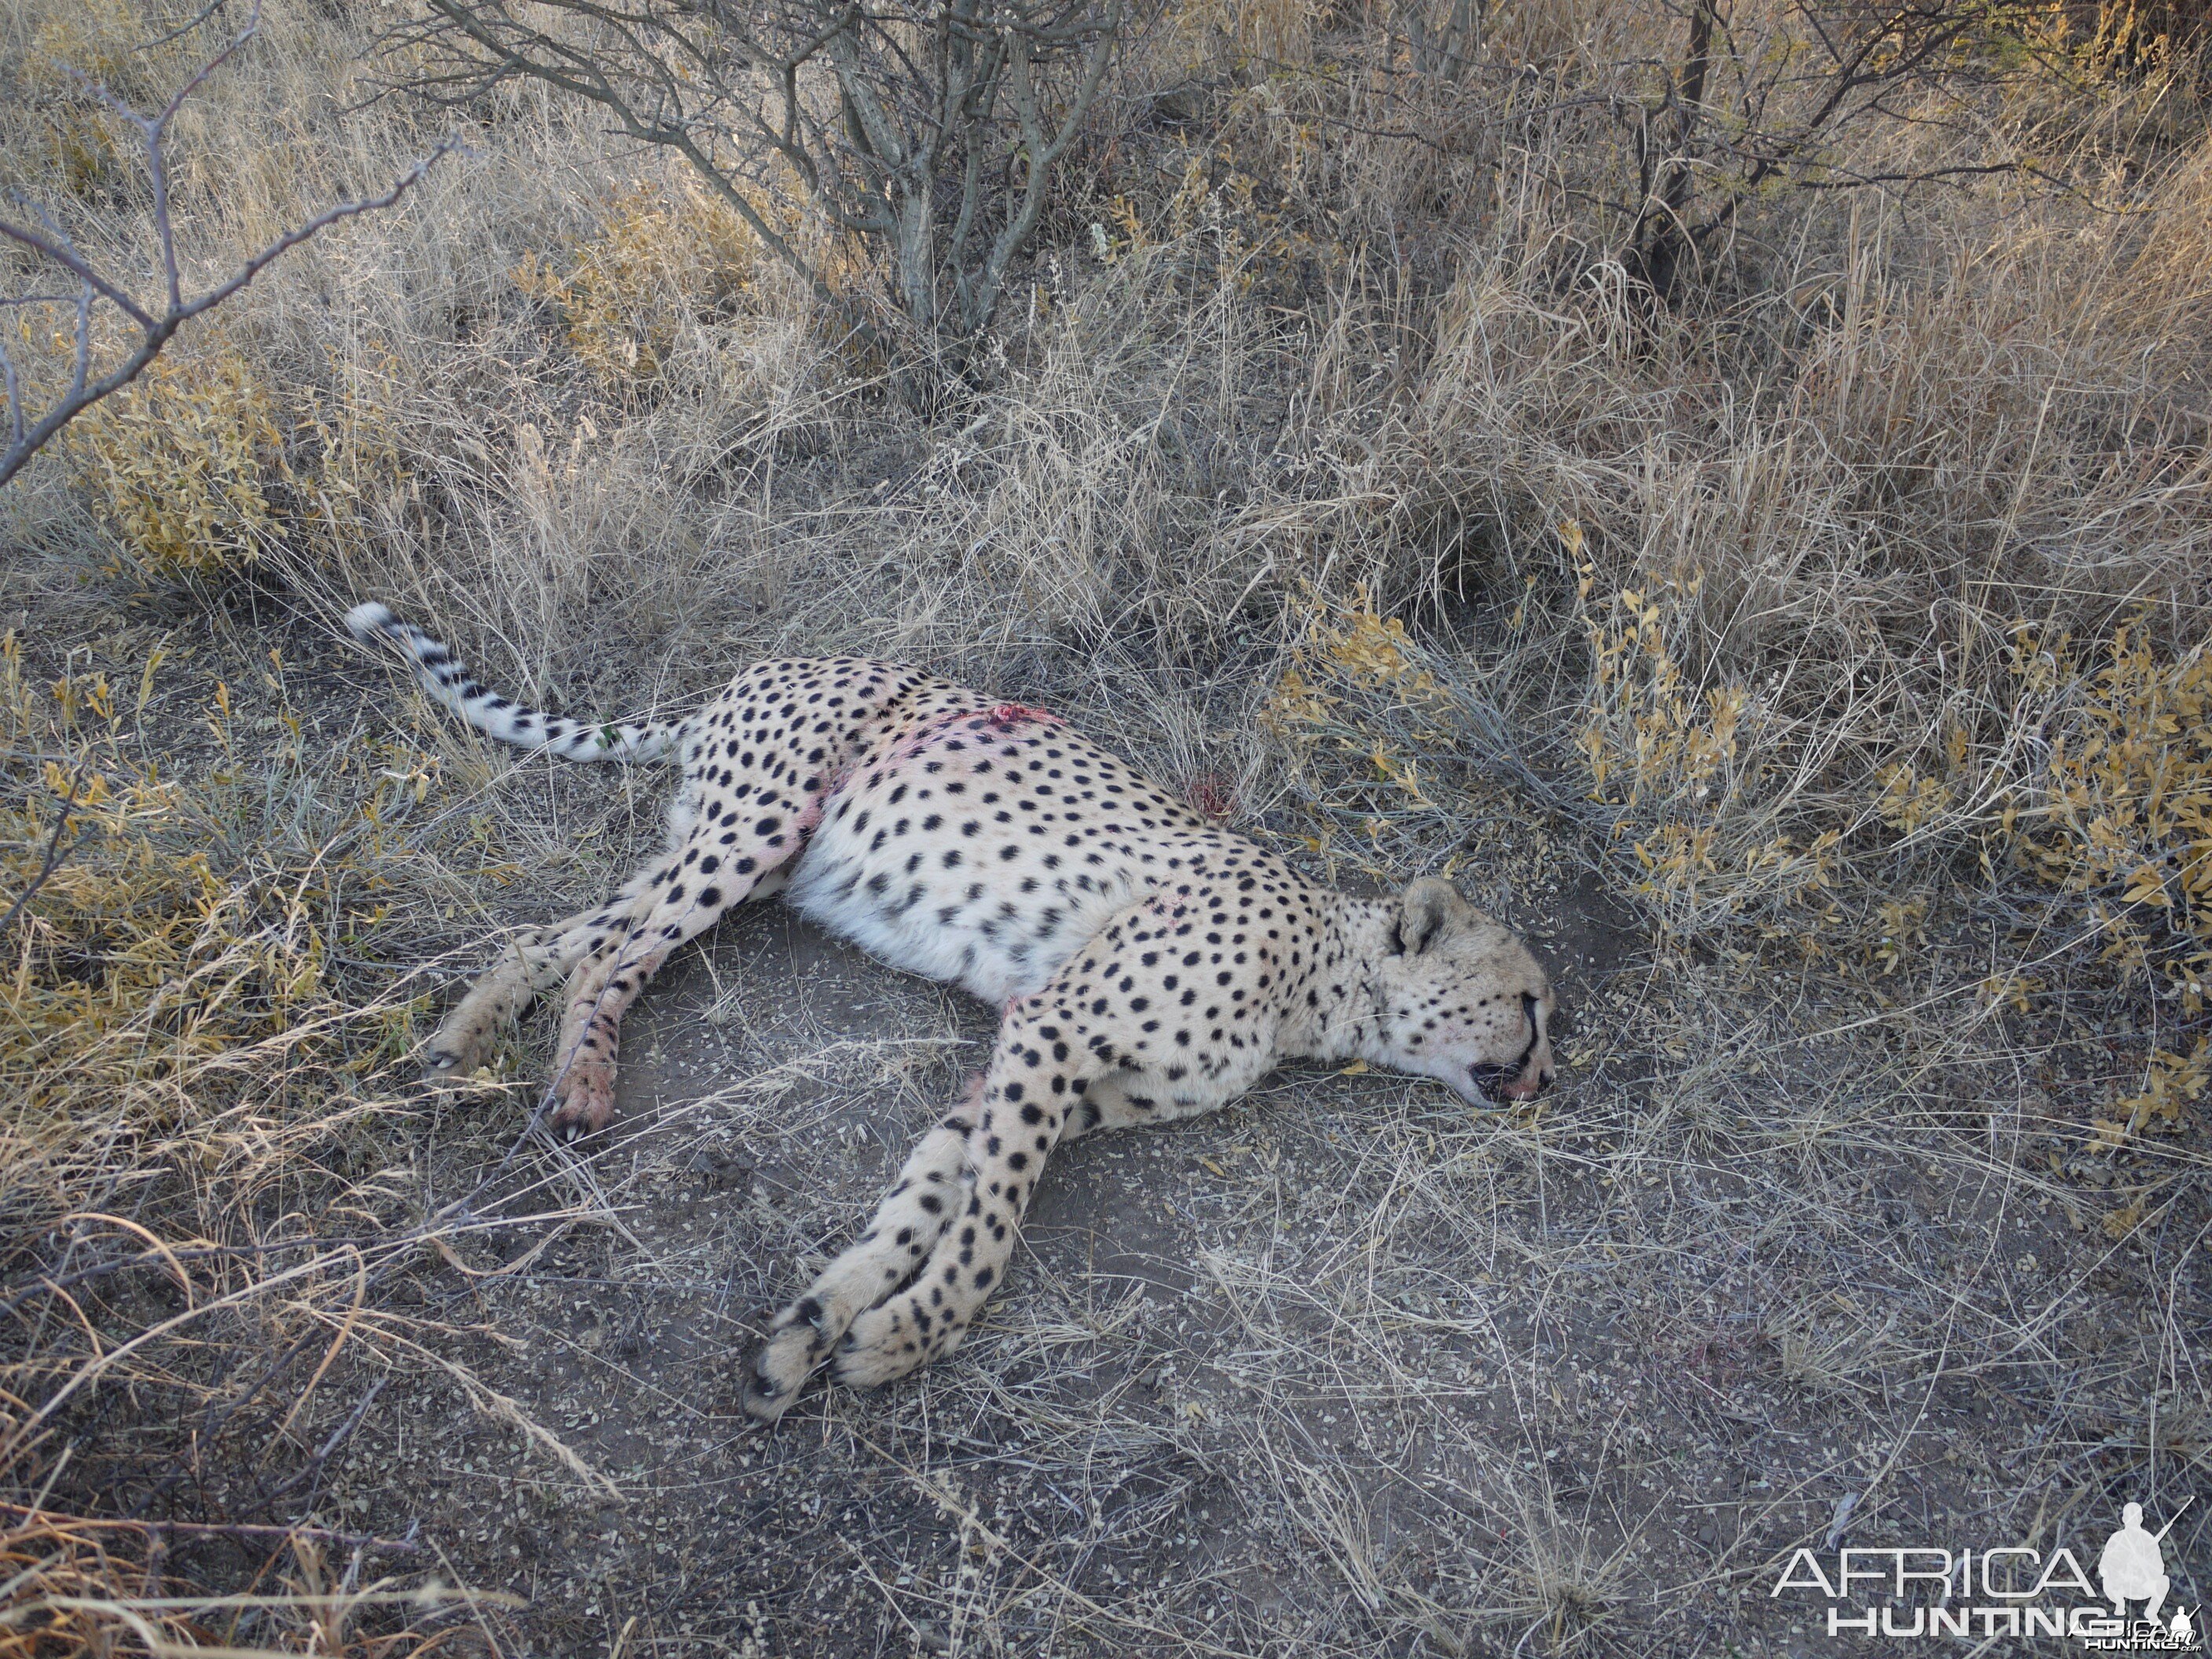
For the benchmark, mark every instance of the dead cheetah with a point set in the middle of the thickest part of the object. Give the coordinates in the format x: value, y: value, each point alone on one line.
x: 1149, y: 964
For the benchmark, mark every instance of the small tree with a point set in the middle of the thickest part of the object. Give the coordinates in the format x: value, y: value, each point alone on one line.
x: 87, y: 289
x: 1759, y: 103
x: 931, y: 128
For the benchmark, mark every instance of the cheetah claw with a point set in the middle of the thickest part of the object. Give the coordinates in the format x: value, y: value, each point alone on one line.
x: 584, y: 1100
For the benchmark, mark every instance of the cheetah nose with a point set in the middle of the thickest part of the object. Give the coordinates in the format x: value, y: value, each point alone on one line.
x: 1527, y: 1086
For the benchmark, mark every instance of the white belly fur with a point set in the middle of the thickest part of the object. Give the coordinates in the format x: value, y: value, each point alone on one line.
x: 993, y: 962
x: 983, y: 851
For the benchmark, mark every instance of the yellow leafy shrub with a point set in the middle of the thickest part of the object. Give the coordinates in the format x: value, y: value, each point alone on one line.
x: 1352, y: 644
x: 1674, y: 763
x: 204, y: 461
x: 180, y: 465
x: 1910, y: 799
x: 2171, y: 1083
x: 1375, y: 648
x: 1697, y: 772
x: 655, y: 264
x: 132, y: 960
x: 2121, y: 810
x: 1398, y: 711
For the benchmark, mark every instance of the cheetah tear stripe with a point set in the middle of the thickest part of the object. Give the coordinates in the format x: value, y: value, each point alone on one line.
x: 442, y: 675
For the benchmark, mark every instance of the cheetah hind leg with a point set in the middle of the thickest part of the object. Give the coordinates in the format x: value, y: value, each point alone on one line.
x: 930, y: 1189
x: 526, y: 969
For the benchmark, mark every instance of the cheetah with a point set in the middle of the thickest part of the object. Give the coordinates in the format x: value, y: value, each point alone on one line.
x: 1149, y: 964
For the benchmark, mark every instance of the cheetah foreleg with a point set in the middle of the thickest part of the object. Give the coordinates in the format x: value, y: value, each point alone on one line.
x: 583, y: 1089
x: 1024, y: 1104
x: 529, y: 967
x: 682, y: 896
x: 931, y: 1189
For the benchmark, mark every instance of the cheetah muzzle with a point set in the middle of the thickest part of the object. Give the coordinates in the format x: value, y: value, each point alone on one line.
x: 1149, y: 964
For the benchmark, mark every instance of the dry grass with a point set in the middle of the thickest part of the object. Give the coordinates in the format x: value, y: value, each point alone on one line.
x: 1826, y: 653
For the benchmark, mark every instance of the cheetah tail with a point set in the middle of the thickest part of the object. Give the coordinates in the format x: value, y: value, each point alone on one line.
x: 444, y: 677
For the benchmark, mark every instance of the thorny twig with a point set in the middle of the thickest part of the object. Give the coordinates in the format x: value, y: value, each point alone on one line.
x: 56, y: 853
x: 158, y: 322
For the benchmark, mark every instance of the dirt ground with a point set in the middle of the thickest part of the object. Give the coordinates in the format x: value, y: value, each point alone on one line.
x: 1345, y: 1369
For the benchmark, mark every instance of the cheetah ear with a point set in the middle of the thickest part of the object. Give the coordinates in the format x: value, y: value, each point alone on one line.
x: 1428, y: 910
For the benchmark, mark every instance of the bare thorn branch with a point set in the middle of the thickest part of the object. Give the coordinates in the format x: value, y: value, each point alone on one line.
x: 56, y: 853
x: 154, y: 326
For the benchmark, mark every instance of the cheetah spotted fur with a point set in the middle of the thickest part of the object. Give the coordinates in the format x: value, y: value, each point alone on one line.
x: 1149, y: 964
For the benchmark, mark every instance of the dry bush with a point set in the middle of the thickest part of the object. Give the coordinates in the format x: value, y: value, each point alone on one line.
x: 79, y: 332
x: 652, y: 268
x: 138, y: 959
x: 181, y: 464
x: 204, y: 463
x: 931, y: 131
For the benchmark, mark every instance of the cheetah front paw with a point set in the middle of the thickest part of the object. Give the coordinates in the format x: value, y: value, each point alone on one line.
x: 583, y: 1098
x: 883, y: 1347
x: 780, y: 1368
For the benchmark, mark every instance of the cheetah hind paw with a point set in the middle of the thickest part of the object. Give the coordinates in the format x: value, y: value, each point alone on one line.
x: 450, y: 1058
x: 583, y: 1099
x: 458, y: 1047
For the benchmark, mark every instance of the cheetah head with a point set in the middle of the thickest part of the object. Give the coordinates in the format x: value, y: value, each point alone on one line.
x: 1461, y: 999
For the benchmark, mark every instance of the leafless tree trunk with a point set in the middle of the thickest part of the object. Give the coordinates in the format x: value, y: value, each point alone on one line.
x: 88, y: 287
x: 931, y: 128
x: 1666, y: 161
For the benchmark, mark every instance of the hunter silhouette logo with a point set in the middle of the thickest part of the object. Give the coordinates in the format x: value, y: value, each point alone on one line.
x: 2133, y: 1567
